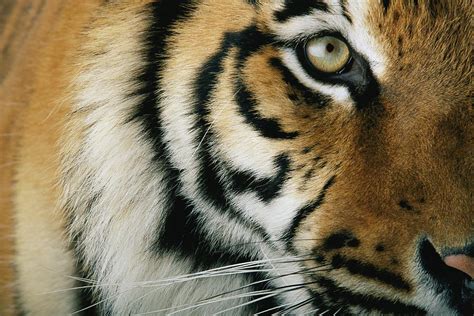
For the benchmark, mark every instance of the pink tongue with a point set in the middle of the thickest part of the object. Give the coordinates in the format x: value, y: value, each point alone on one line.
x: 462, y: 263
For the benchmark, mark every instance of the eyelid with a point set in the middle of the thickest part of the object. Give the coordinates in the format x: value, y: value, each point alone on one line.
x: 304, y: 38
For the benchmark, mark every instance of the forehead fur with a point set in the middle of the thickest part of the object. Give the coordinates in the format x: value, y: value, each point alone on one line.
x: 434, y: 37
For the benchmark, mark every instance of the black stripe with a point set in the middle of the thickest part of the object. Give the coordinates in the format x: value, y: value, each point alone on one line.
x: 211, y: 185
x: 266, y: 189
x: 181, y: 232
x: 247, y: 107
x: 18, y: 305
x: 180, y: 226
x: 250, y: 41
x: 370, y: 271
x: 295, y: 8
x: 183, y: 235
x: 205, y: 84
x: 165, y: 15
x: 309, y: 96
x: 385, y: 4
x: 340, y: 296
x: 84, y: 298
x: 345, y: 12
x: 308, y: 209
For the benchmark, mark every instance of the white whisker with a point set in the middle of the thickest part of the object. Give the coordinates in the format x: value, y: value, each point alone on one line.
x: 180, y: 279
x: 209, y: 128
x: 297, y: 305
x: 206, y: 302
x: 274, y: 292
x: 247, y: 303
x: 271, y: 309
x: 310, y: 312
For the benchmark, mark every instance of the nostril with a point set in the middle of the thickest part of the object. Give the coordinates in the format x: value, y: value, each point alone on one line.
x: 462, y: 263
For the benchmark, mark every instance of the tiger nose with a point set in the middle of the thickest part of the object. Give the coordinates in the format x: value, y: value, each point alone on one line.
x: 457, y: 265
x: 462, y: 263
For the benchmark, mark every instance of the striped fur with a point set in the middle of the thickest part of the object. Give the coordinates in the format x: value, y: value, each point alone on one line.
x: 201, y: 166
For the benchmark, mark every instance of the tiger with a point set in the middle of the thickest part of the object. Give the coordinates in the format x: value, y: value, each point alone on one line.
x: 237, y: 157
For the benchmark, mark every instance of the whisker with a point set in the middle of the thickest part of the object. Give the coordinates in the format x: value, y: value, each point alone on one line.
x: 203, y: 303
x: 84, y: 287
x: 81, y: 279
x: 271, y: 264
x: 267, y: 280
x: 97, y: 303
x: 155, y: 283
x: 215, y: 299
x: 193, y: 306
x: 104, y: 300
x: 288, y: 288
x: 271, y: 309
x: 248, y: 264
x: 182, y: 278
x: 233, y: 269
x: 208, y: 130
x: 145, y: 295
x: 247, y: 303
x: 274, y: 291
x: 311, y: 311
x: 240, y: 288
x: 201, y: 274
x: 297, y: 305
x: 273, y: 240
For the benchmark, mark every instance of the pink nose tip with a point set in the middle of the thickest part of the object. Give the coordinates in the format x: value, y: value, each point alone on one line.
x: 462, y: 263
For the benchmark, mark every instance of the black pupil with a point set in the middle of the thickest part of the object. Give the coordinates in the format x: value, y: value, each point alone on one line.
x: 330, y: 48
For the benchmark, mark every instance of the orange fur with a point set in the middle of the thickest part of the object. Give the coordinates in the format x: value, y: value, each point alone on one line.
x: 40, y: 37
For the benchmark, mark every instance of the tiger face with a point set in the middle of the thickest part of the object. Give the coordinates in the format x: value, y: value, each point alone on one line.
x: 341, y: 132
x: 272, y: 156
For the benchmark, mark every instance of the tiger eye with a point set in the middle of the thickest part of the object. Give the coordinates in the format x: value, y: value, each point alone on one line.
x: 327, y: 54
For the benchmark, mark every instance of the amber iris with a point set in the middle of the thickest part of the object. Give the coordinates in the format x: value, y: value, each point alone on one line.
x: 327, y: 54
